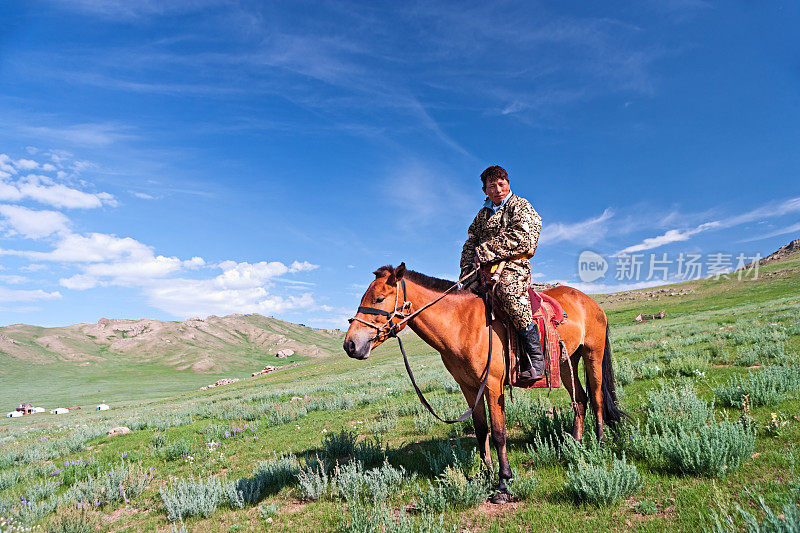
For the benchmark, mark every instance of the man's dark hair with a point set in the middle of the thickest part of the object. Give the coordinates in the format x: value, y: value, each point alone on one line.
x: 494, y: 173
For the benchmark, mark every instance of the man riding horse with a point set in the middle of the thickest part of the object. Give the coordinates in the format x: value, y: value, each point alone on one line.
x: 507, y: 229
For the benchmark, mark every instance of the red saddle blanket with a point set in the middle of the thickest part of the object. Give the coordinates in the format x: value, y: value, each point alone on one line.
x: 547, y: 314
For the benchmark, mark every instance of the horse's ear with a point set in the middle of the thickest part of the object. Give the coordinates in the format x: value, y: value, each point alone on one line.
x: 395, y: 275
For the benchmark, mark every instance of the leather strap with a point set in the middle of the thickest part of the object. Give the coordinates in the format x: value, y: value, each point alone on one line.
x: 373, y: 311
x: 484, y: 379
x: 393, y: 329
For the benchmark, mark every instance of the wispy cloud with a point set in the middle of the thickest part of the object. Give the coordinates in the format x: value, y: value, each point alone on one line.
x: 125, y: 10
x: 793, y: 229
x: 89, y: 134
x: 56, y: 191
x: 423, y: 194
x: 770, y: 210
x: 18, y: 295
x: 351, y: 77
x: 142, y: 195
x: 764, y: 212
x: 673, y: 235
x: 586, y: 232
x: 13, y: 279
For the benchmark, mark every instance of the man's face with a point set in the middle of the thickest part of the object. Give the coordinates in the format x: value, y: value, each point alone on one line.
x: 497, y: 189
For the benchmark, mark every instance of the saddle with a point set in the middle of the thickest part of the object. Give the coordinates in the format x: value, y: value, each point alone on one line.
x: 547, y: 315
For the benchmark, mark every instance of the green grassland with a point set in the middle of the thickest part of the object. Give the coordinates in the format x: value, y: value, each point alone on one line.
x: 102, y: 375
x: 722, y: 329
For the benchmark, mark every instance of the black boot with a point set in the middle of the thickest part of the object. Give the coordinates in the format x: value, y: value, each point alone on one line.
x: 531, y: 358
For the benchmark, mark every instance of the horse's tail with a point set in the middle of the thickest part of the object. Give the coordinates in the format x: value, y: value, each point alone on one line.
x: 611, y: 411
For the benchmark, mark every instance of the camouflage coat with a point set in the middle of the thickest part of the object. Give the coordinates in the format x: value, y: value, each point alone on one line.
x: 511, y: 231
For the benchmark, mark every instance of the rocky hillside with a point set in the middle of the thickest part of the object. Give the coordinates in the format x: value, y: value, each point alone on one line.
x: 209, y: 345
x: 790, y: 251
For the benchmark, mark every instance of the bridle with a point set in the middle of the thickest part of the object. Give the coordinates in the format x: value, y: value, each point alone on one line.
x: 391, y: 329
x: 388, y: 328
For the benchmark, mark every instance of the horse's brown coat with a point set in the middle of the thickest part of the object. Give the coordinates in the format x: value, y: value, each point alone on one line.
x: 456, y: 328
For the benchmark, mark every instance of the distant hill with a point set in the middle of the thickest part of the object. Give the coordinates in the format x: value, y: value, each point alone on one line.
x: 780, y: 269
x: 790, y: 251
x: 202, y: 346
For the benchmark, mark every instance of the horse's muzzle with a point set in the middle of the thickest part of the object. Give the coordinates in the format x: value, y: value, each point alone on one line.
x: 357, y: 350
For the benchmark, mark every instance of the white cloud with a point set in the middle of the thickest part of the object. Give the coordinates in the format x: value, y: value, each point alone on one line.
x: 127, y: 262
x: 90, y: 248
x: 79, y: 282
x: 13, y: 279
x: 59, y: 157
x: 304, y: 266
x: 59, y: 195
x: 187, y: 297
x: 794, y: 228
x: 81, y: 134
x: 155, y: 267
x: 246, y: 275
x: 176, y: 285
x: 26, y: 164
x: 33, y: 224
x: 241, y: 287
x: 770, y: 210
x: 142, y: 195
x: 585, y: 232
x: 673, y: 235
x: 108, y: 260
x: 45, y: 189
x: 6, y: 164
x: 9, y: 193
x: 14, y: 295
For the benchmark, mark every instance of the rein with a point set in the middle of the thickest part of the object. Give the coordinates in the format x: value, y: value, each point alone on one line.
x: 391, y: 329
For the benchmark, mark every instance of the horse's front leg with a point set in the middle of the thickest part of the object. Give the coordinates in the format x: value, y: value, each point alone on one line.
x: 481, y: 428
x: 497, y: 411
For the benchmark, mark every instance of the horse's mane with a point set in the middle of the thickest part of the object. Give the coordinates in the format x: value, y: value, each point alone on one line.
x: 429, y: 282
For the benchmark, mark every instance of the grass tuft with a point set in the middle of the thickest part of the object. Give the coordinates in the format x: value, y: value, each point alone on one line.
x: 601, y: 485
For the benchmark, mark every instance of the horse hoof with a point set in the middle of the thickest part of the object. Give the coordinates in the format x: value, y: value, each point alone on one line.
x: 500, y: 497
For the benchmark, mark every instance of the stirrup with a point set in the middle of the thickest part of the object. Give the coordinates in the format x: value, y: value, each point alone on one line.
x: 528, y: 375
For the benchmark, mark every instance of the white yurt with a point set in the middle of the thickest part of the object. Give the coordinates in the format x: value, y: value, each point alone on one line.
x: 39, y: 409
x: 14, y: 414
x: 102, y: 407
x: 59, y: 411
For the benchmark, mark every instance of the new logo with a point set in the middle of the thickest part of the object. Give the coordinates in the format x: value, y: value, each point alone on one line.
x: 591, y: 266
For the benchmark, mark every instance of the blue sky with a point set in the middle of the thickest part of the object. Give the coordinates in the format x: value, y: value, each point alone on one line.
x: 182, y: 159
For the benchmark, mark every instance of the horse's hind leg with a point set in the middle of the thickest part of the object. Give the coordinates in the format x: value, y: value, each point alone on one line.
x: 577, y: 394
x: 481, y: 428
x: 593, y: 362
x: 498, y: 415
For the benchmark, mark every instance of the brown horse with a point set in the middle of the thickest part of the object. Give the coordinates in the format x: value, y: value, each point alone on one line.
x: 456, y: 328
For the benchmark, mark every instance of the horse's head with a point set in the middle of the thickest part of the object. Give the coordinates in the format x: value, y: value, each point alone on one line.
x: 377, y: 312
